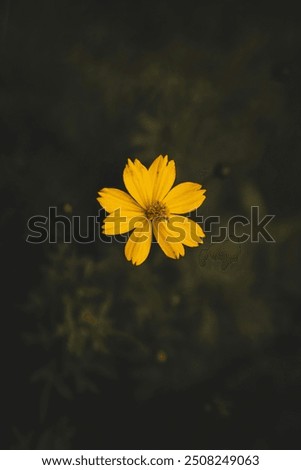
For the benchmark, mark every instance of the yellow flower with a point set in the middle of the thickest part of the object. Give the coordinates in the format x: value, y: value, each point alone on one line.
x: 152, y: 206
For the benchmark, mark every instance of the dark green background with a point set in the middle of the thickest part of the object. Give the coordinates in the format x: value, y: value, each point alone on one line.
x: 198, y: 353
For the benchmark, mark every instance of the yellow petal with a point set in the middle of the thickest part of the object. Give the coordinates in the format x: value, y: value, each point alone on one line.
x: 137, y: 182
x: 139, y: 243
x: 185, y: 197
x: 162, y: 176
x: 167, y: 240
x: 185, y: 230
x: 112, y: 199
x: 119, y: 222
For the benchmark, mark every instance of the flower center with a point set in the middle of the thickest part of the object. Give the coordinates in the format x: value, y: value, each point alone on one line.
x: 157, y: 210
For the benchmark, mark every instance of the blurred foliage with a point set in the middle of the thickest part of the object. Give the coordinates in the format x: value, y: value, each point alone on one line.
x: 220, y: 98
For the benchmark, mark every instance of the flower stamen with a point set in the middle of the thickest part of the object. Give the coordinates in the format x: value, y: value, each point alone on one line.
x: 157, y: 210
